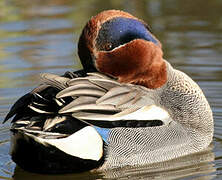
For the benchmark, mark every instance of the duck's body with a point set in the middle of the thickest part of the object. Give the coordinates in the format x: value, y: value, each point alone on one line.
x: 149, y: 112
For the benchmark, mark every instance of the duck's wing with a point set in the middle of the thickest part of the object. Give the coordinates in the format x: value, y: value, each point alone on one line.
x: 104, y: 102
x: 37, y: 111
x: 94, y: 99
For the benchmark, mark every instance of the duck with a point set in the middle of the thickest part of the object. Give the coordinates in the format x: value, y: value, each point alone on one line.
x: 127, y: 107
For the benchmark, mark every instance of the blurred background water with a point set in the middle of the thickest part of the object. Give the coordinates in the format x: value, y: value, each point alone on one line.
x: 41, y: 36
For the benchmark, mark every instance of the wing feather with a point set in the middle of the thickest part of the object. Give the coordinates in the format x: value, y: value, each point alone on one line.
x: 54, y: 80
x: 80, y: 80
x: 105, y: 83
x: 91, y: 107
x: 81, y: 92
x: 93, y: 99
x: 77, y: 102
x: 74, y: 90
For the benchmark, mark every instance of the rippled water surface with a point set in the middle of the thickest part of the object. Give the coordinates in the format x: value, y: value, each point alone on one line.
x: 41, y: 36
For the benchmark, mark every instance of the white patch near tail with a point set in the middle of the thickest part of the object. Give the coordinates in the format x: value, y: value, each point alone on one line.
x: 85, y: 143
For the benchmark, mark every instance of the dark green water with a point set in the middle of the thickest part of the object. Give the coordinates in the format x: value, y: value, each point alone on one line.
x: 41, y: 36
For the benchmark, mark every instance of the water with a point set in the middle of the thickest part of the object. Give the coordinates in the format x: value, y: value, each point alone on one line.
x: 41, y: 36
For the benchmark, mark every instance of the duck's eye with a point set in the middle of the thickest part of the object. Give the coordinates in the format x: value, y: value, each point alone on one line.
x: 108, y: 46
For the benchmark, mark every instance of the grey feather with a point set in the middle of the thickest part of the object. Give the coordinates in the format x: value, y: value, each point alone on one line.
x: 116, y: 92
x: 91, y: 89
x: 81, y: 92
x: 77, y: 102
x: 99, y: 75
x: 92, y: 116
x: 54, y: 80
x: 81, y: 80
x: 105, y: 83
x: 91, y: 107
x: 99, y: 116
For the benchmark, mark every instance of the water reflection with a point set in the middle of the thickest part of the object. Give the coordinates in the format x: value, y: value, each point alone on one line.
x: 199, y: 164
x: 37, y: 36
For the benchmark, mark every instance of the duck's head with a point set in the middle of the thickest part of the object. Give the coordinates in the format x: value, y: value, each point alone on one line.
x: 120, y: 45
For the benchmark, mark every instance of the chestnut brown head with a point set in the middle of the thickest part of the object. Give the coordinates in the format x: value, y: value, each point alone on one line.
x: 120, y: 45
